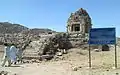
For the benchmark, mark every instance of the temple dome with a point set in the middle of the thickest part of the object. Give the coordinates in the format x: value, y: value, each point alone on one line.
x: 81, y: 19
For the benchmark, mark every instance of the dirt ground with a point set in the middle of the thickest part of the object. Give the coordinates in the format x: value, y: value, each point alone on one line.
x: 75, y: 62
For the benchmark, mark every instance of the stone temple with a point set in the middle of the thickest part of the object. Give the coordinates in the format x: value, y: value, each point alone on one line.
x: 79, y: 21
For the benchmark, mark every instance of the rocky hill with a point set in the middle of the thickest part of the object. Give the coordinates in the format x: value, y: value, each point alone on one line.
x: 6, y: 27
x: 19, y: 34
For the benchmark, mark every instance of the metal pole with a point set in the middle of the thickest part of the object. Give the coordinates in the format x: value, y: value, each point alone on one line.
x: 115, y: 56
x: 89, y: 57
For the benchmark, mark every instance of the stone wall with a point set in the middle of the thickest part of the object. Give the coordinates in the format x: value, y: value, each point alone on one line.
x: 77, y: 39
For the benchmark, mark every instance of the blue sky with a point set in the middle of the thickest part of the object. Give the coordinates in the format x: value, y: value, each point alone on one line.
x: 53, y: 14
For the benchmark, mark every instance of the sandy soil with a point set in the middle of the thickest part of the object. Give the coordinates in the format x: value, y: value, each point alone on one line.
x: 73, y: 63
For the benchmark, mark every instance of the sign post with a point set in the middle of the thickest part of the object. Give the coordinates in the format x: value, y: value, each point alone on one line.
x: 89, y: 57
x: 102, y: 36
x: 115, y: 57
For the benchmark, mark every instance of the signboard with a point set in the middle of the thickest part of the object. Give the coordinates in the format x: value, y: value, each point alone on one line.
x: 102, y: 36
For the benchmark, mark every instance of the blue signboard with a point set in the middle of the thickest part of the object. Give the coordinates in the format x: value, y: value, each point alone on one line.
x: 102, y: 36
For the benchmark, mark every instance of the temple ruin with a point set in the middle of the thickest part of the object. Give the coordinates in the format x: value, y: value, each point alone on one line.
x: 79, y: 21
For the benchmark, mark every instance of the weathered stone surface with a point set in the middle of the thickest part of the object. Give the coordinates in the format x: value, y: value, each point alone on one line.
x: 48, y: 45
x: 79, y: 21
x: 78, y: 26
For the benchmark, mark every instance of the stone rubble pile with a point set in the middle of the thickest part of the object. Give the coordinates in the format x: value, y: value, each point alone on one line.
x: 47, y: 47
x: 4, y: 73
x: 50, y: 46
x: 78, y: 40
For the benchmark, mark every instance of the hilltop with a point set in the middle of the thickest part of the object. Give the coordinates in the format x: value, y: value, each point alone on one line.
x: 6, y: 27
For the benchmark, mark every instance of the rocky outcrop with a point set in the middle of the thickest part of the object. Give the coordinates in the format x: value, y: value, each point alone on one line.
x: 47, y: 45
x: 20, y: 35
x: 6, y: 27
x: 54, y: 44
x: 37, y: 48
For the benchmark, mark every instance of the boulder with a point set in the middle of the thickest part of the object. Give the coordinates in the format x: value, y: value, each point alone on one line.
x: 48, y: 57
x: 105, y: 48
x: 97, y: 50
x: 59, y: 53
